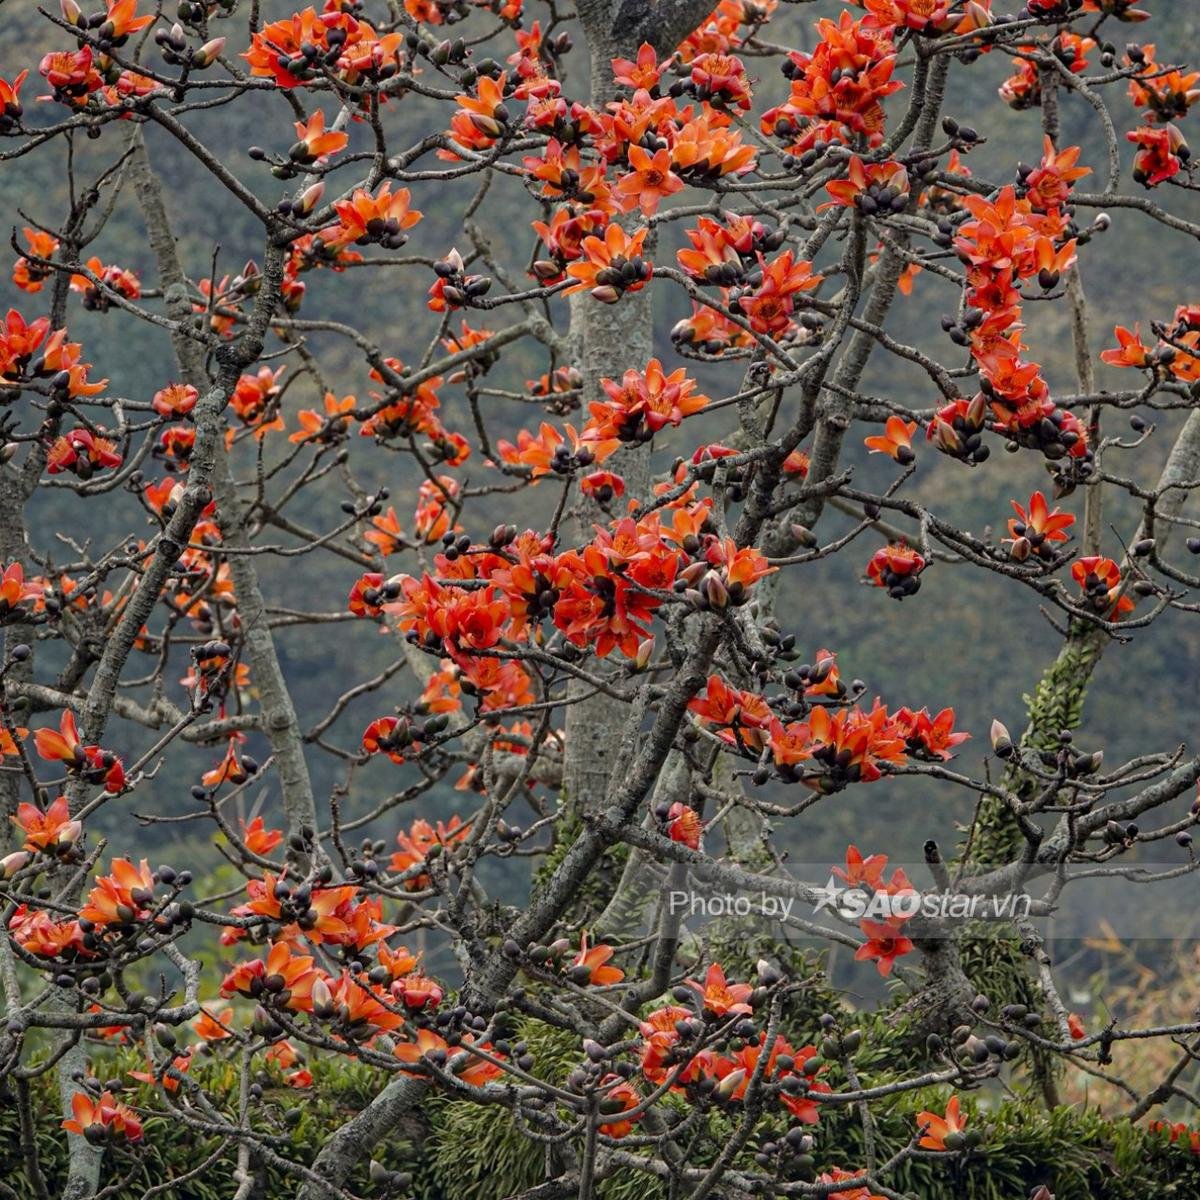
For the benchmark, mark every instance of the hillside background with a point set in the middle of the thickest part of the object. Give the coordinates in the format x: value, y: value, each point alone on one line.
x: 971, y: 641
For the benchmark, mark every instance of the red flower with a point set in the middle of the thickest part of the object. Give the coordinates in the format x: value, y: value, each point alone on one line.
x: 63, y: 745
x: 1103, y: 587
x: 103, y: 1119
x: 684, y: 825
x: 883, y: 946
x: 928, y: 737
x: 10, y: 102
x: 720, y: 998
x: 1038, y: 529
x: 769, y: 304
x: 617, y: 1097
x: 896, y: 567
x: 81, y: 453
x: 285, y: 979
x: 1160, y: 154
x: 71, y: 75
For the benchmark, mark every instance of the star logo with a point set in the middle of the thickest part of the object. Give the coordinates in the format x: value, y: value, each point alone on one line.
x: 828, y: 897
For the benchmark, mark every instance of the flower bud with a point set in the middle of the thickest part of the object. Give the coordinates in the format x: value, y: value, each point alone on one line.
x: 69, y: 834
x: 714, y: 590
x: 1001, y: 743
x: 322, y: 1001
x: 644, y: 652
x: 730, y: 1083
x: 308, y: 199
x: 208, y: 53
x: 10, y: 864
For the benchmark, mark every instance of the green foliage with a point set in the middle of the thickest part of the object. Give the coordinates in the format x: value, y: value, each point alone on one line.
x: 456, y: 1150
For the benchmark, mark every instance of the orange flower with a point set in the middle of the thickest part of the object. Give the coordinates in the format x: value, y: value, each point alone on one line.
x: 38, y: 933
x: 741, y: 717
x: 62, y: 744
x: 95, y: 296
x: 285, y: 979
x: 644, y: 73
x: 485, y: 111
x: 1039, y: 527
x: 837, y: 1175
x: 365, y: 218
x: 1130, y: 350
x: 649, y: 181
x: 612, y: 266
x: 1048, y: 185
x: 942, y: 1133
x: 589, y: 966
x: 416, y: 844
x: 385, y: 533
x: 27, y: 274
x: 213, y: 1027
x: 50, y: 829
x: 103, y: 1119
x: 359, y: 1012
x: 9, y: 747
x: 720, y: 998
x: 642, y: 403
x: 313, y: 143
x: 231, y: 769
x: 175, y: 400
x: 895, y: 441
x: 430, y: 1046
x: 862, y: 872
x: 618, y: 1096
x: 14, y: 592
x: 258, y: 839
x: 329, y: 426
x: 122, y: 897
x: 874, y: 189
